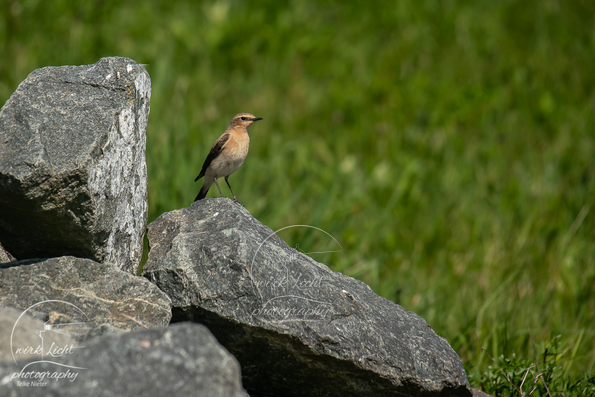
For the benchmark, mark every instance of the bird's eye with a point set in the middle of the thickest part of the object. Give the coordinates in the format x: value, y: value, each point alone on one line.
x: 243, y: 118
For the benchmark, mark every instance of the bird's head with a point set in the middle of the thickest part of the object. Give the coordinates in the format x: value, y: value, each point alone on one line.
x: 244, y: 120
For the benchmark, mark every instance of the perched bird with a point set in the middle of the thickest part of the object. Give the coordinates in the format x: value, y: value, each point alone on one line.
x: 227, y: 154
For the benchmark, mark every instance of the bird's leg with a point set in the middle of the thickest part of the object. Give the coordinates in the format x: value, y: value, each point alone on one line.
x: 216, y: 183
x: 234, y: 196
x: 227, y: 181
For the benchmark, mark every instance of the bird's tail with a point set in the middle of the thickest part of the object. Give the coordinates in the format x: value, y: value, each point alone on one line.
x: 203, y: 192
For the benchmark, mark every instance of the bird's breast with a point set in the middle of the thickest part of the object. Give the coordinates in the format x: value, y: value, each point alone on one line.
x: 243, y: 144
x: 232, y: 157
x: 237, y: 148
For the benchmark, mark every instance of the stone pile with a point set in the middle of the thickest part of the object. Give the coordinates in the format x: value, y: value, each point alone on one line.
x: 224, y: 307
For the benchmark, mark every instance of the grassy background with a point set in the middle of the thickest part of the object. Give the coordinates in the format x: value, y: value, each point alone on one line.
x: 448, y: 146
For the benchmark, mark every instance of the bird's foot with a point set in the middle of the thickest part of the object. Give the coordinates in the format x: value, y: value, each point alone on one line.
x: 235, y: 200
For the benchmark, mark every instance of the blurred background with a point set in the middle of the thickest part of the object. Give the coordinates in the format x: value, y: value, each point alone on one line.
x: 447, y: 146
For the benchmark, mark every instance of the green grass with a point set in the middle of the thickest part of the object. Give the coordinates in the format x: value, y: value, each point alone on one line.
x: 448, y: 146
x: 542, y: 375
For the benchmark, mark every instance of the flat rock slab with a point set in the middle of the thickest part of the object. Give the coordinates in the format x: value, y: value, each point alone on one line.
x: 82, y: 298
x: 296, y: 327
x: 73, y: 177
x: 182, y: 360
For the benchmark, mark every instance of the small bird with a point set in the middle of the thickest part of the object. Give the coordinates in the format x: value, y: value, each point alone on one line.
x: 227, y: 154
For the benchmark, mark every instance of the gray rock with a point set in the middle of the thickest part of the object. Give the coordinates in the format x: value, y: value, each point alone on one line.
x: 479, y: 393
x: 296, y: 327
x: 83, y: 298
x: 73, y: 178
x: 20, y: 338
x: 182, y: 360
x: 5, y: 256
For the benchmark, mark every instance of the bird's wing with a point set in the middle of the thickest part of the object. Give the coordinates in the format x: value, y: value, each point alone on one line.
x: 215, y: 151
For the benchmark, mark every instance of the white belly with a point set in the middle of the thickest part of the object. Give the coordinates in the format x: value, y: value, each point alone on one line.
x: 224, y: 167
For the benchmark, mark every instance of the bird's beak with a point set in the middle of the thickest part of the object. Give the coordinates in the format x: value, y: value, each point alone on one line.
x: 257, y: 118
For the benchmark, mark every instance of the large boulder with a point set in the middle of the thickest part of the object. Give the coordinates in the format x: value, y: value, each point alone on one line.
x: 182, y: 360
x: 73, y: 178
x: 296, y: 327
x: 83, y: 298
